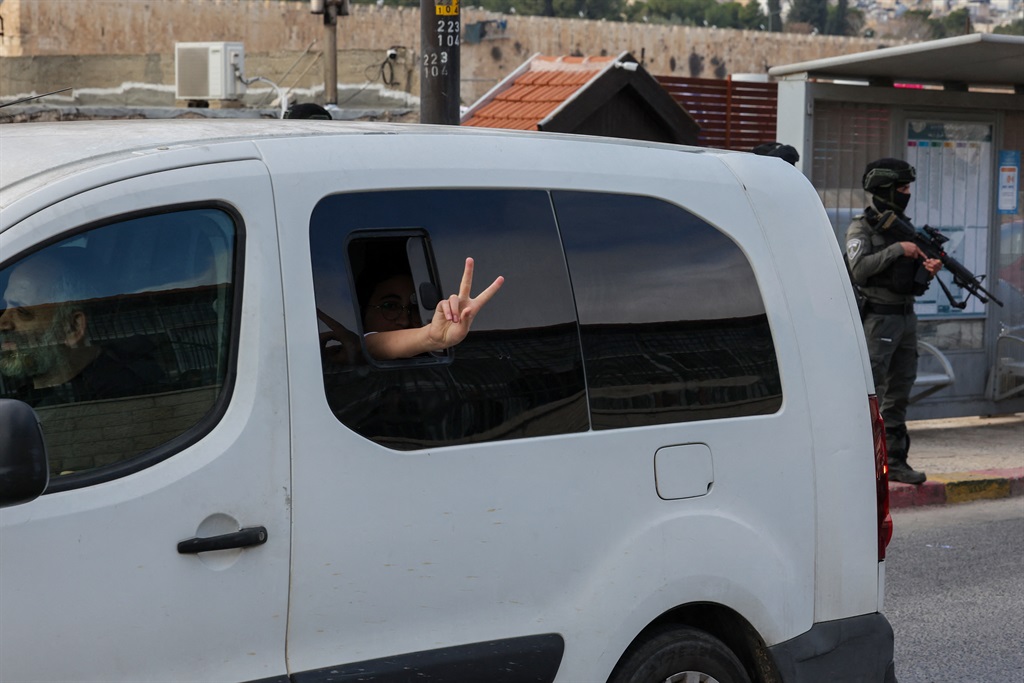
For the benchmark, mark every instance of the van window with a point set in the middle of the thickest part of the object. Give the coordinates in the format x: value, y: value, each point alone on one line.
x: 518, y: 374
x: 672, y: 321
x: 118, y: 337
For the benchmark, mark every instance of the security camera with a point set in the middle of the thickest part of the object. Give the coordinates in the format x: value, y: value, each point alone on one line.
x: 392, y: 53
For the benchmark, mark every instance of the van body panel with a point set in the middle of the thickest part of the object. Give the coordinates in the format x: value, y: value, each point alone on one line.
x: 91, y: 574
x: 423, y: 554
x: 456, y: 557
x: 527, y: 658
x: 62, y: 182
x: 443, y: 506
x: 831, y: 345
x: 43, y: 153
x: 843, y: 651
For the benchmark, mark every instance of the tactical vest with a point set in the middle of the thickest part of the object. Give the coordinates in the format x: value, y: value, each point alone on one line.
x: 905, y: 275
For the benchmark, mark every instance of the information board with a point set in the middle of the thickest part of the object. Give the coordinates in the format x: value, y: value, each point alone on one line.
x: 953, y: 194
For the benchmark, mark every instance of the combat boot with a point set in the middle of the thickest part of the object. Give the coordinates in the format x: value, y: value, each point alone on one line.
x: 900, y: 471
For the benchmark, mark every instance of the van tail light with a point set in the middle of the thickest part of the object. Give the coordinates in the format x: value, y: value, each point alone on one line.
x: 881, y: 477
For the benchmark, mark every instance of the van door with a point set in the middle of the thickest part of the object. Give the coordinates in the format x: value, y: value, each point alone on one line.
x: 420, y: 511
x: 524, y: 506
x: 160, y: 551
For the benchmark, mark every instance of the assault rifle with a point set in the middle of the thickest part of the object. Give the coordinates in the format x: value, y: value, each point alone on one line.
x: 930, y: 241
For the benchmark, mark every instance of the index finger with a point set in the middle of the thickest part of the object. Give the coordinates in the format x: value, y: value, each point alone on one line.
x: 485, y: 296
x: 466, y: 287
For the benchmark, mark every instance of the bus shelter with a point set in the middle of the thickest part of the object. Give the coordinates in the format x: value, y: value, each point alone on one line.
x: 954, y: 109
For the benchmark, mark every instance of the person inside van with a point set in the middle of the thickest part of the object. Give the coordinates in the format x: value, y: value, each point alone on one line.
x: 787, y: 153
x: 391, y: 317
x: 45, y: 350
x: 307, y: 110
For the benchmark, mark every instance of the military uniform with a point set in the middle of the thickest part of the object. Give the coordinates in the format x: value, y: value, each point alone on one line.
x: 889, y: 281
x: 890, y: 328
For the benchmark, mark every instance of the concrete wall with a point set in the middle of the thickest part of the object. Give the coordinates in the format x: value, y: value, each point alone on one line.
x: 116, y: 50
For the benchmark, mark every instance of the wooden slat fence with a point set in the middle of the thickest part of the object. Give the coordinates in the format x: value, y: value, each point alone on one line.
x: 732, y: 114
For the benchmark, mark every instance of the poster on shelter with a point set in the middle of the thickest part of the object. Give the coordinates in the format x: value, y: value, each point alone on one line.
x: 953, y: 194
x: 1007, y: 201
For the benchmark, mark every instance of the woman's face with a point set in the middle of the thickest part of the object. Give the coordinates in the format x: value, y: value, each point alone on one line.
x: 391, y: 306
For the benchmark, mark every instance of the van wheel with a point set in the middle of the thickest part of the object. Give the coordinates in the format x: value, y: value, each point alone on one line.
x: 679, y: 655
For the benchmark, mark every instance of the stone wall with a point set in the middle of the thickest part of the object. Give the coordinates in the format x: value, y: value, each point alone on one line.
x: 112, y: 47
x: 83, y: 436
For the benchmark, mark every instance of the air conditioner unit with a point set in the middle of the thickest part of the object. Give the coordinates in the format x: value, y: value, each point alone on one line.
x: 209, y: 71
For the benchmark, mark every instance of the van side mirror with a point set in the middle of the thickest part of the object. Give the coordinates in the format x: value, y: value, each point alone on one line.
x: 24, y: 470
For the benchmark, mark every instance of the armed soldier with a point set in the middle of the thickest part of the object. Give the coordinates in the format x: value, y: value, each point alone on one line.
x: 890, y: 274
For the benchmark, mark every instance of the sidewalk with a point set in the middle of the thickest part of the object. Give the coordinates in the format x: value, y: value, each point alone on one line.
x: 966, y: 459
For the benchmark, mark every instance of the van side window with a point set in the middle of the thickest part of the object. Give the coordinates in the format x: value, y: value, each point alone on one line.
x: 672, y: 321
x: 118, y: 337
x: 518, y: 373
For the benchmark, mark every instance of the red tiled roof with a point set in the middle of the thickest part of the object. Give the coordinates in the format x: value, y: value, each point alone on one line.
x: 546, y: 84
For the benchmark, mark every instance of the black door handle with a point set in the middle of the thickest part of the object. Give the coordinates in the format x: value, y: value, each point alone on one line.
x: 243, y: 538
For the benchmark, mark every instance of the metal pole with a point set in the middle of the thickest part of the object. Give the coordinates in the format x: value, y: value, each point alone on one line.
x: 728, y: 112
x: 331, y: 54
x: 440, y: 28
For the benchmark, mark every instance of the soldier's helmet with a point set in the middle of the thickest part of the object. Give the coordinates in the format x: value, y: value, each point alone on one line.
x: 307, y: 110
x: 883, y: 176
x: 787, y: 153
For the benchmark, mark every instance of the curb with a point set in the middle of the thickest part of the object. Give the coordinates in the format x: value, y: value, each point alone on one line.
x: 958, y: 487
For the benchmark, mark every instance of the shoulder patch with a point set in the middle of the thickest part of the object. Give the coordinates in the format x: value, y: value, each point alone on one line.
x: 853, y: 248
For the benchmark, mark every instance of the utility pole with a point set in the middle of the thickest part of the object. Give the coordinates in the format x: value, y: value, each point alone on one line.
x: 440, y: 28
x: 331, y: 10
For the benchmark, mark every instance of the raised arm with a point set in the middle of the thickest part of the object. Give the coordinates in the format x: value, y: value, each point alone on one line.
x: 451, y: 322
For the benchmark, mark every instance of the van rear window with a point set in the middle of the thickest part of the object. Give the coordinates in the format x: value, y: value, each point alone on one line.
x: 672, y: 322
x: 663, y: 321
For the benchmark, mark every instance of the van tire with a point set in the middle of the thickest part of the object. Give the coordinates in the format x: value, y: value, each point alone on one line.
x: 674, y: 650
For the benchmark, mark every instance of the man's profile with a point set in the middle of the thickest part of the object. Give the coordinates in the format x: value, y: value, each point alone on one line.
x: 45, y: 348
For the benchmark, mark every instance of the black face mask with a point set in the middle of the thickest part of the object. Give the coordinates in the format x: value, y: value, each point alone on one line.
x: 900, y: 200
x: 897, y: 201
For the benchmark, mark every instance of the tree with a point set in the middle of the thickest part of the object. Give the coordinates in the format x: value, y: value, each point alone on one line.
x: 956, y: 23
x: 690, y: 12
x: 813, y: 12
x: 775, y: 15
x: 611, y: 10
x: 751, y: 17
x: 506, y: 6
x: 724, y: 15
x: 913, y: 25
x: 586, y: 9
x: 855, y: 23
x: 920, y: 25
x: 1015, y: 28
x: 837, y: 24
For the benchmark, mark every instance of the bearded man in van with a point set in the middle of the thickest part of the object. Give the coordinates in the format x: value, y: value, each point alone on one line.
x: 890, y: 274
x: 45, y: 350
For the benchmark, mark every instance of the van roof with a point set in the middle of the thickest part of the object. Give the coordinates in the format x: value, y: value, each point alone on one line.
x: 49, y: 150
x: 35, y: 154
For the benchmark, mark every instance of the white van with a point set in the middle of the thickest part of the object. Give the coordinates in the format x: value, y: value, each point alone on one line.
x: 654, y: 458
